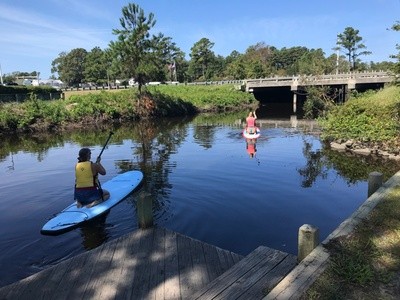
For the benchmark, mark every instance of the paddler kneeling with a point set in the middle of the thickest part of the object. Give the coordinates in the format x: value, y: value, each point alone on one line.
x: 87, y: 188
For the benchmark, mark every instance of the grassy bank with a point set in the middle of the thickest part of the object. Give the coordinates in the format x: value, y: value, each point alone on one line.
x: 366, y: 264
x: 99, y: 107
x: 372, y: 118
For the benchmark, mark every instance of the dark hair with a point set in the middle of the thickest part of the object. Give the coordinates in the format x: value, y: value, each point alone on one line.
x: 84, y: 154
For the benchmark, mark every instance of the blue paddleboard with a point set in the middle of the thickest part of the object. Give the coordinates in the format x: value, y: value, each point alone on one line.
x: 119, y: 187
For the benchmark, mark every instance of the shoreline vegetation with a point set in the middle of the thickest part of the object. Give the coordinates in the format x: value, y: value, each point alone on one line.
x: 104, y: 107
x: 366, y: 124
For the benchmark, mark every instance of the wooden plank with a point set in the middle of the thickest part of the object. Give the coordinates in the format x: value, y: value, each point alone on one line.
x: 228, y: 278
x: 106, y: 284
x: 82, y: 279
x: 213, y: 262
x: 244, y: 280
x: 199, y: 273
x: 225, y: 259
x: 147, y: 264
x: 40, y: 289
x: 293, y: 284
x: 124, y: 275
x: 184, y: 266
x: 36, y: 283
x: 171, y: 283
x: 142, y: 274
x: 157, y: 266
x: 270, y: 279
x: 236, y: 257
x: 17, y: 290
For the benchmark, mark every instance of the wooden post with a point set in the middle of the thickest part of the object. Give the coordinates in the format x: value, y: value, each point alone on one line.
x: 144, y: 210
x: 375, y: 180
x: 308, y: 240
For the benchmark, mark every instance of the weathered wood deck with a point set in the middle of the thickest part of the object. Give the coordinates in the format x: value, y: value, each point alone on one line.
x: 156, y: 264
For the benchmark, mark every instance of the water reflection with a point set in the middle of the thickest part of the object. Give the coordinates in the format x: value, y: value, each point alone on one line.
x: 204, y: 135
x: 196, y: 178
x: 316, y: 165
x: 12, y: 166
x: 251, y: 147
x: 353, y: 168
x: 94, y: 232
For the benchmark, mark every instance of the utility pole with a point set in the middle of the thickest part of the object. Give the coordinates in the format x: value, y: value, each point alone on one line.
x: 1, y: 76
x: 337, y: 57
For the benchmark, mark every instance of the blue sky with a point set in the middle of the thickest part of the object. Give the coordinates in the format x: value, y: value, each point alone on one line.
x: 34, y: 33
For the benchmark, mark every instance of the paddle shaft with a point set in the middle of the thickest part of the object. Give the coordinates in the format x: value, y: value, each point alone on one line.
x: 98, y: 158
x: 109, y: 137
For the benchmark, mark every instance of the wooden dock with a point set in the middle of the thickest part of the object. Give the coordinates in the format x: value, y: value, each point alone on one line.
x: 156, y: 264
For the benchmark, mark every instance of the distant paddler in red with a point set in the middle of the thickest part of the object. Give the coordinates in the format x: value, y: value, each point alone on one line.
x: 251, y: 123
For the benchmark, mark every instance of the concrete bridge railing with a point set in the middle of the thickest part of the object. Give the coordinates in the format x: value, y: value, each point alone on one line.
x: 347, y: 79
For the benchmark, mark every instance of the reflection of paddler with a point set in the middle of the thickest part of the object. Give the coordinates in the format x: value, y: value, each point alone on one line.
x: 251, y: 147
x: 94, y: 232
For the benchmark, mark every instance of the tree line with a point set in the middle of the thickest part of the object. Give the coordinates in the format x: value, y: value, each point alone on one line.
x: 136, y: 54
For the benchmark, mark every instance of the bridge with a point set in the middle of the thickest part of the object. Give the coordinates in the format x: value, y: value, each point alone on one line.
x: 342, y: 82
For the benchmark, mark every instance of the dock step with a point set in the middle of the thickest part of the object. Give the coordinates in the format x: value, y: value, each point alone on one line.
x: 251, y: 278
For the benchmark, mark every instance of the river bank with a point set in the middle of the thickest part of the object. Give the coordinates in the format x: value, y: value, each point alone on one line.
x: 96, y: 108
x: 366, y: 124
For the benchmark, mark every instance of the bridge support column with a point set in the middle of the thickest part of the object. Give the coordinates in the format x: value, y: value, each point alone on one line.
x: 294, y: 102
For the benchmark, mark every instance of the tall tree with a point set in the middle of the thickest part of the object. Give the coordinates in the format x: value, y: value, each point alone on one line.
x: 56, y: 64
x: 396, y: 67
x: 140, y: 55
x: 352, y: 43
x: 201, y: 58
x: 133, y: 43
x: 70, y: 66
x: 312, y: 62
x: 95, y: 68
x: 235, y: 66
x: 257, y: 60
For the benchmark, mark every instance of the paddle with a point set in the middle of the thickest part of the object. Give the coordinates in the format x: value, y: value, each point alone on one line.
x: 98, y: 158
x: 104, y: 147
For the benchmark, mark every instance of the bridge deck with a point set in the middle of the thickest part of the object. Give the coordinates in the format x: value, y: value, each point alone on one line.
x: 148, y: 264
x: 349, y: 79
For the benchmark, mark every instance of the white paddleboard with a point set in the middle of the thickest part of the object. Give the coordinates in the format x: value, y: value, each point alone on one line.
x: 252, y: 136
x: 119, y: 187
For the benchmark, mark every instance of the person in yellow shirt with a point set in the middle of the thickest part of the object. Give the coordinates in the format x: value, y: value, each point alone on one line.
x: 88, y: 191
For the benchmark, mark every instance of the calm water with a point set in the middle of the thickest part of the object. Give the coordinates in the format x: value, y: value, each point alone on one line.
x: 200, y: 177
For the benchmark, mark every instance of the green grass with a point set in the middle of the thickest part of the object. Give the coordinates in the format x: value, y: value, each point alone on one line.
x: 373, y: 117
x: 366, y: 264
